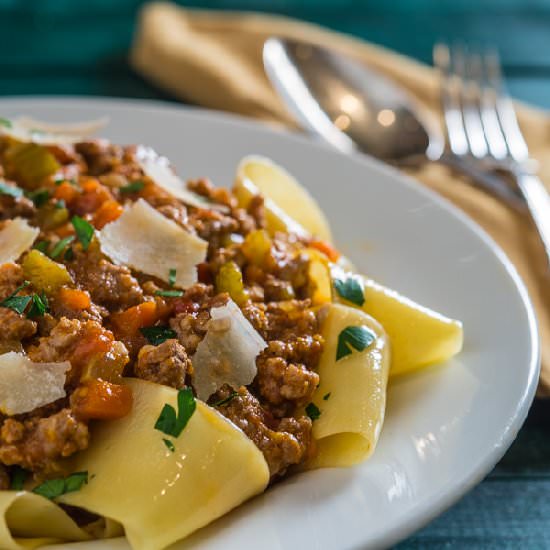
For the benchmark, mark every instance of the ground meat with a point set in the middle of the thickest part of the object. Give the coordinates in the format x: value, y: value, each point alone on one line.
x: 15, y: 327
x: 59, y: 344
x: 4, y: 478
x: 14, y: 207
x: 93, y: 313
x: 165, y: 364
x: 38, y: 444
x: 282, y: 443
x: 256, y: 209
x: 100, y: 155
x: 212, y: 226
x: 110, y: 285
x: 205, y: 188
x: 276, y: 290
x: 11, y: 277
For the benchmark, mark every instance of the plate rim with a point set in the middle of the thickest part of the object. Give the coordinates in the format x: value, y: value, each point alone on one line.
x: 424, y: 512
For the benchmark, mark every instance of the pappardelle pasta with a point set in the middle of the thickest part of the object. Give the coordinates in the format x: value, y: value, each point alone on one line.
x: 170, y: 349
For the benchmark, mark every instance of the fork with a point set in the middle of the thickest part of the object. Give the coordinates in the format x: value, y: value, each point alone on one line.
x: 482, y: 127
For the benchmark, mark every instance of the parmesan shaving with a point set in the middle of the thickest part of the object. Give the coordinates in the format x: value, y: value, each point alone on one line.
x: 227, y: 354
x: 29, y: 130
x: 144, y: 239
x: 159, y: 170
x: 25, y: 385
x: 16, y: 237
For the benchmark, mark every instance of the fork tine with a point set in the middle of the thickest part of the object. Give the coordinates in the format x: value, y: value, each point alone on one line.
x: 467, y: 70
x: 513, y: 137
x: 454, y: 126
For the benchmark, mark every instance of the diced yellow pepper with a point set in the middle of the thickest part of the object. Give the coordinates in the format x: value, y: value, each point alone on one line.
x: 319, y: 276
x: 44, y: 274
x: 230, y: 280
x: 256, y: 246
x: 30, y: 163
x: 50, y: 217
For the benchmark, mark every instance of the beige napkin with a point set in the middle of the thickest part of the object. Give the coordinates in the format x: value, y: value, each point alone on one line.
x: 214, y: 59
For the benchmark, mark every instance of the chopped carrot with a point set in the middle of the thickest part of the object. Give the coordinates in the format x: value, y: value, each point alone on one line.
x: 74, y: 299
x: 64, y: 230
x: 95, y: 341
x: 102, y: 400
x: 108, y: 212
x: 93, y: 196
x: 326, y: 249
x: 129, y: 321
x: 66, y: 192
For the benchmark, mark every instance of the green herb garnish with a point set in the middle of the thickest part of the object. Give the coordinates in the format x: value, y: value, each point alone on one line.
x: 172, y: 277
x: 60, y: 204
x: 5, y: 122
x: 169, y: 293
x: 17, y: 303
x: 350, y: 289
x: 326, y: 397
x: 42, y: 246
x: 226, y: 400
x: 18, y: 478
x: 84, y: 231
x: 313, y: 411
x: 357, y: 338
x: 171, y: 424
x: 169, y: 445
x: 158, y: 334
x: 10, y: 190
x: 39, y: 306
x: 60, y: 246
x: 39, y: 197
x: 133, y: 187
x: 69, y: 254
x: 54, y: 488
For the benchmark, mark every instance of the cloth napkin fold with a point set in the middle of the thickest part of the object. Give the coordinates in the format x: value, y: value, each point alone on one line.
x: 214, y: 59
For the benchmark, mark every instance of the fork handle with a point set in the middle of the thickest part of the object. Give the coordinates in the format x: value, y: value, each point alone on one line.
x: 538, y: 202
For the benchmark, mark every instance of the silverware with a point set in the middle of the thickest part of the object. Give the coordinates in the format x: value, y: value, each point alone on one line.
x: 355, y: 108
x: 482, y: 126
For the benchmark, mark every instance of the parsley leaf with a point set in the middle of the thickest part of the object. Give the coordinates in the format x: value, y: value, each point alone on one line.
x: 53, y: 488
x: 169, y: 445
x: 5, y: 122
x: 169, y: 293
x: 313, y: 411
x: 84, y: 231
x: 357, y: 338
x: 17, y: 303
x: 133, y: 187
x: 42, y: 246
x: 158, y: 334
x: 69, y: 254
x: 226, y: 400
x: 172, y: 277
x: 39, y: 197
x: 18, y: 478
x: 326, y: 397
x: 60, y: 246
x: 39, y: 306
x: 171, y: 424
x: 10, y: 190
x: 350, y: 289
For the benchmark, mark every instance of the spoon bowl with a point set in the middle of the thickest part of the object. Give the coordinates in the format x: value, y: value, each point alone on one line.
x: 349, y: 105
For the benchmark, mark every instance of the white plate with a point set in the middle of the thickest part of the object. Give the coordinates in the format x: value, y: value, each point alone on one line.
x: 445, y: 427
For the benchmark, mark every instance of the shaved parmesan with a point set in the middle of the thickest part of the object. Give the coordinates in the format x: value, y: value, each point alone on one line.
x: 29, y: 130
x: 25, y: 385
x: 16, y: 237
x: 144, y: 239
x: 159, y: 170
x: 227, y: 354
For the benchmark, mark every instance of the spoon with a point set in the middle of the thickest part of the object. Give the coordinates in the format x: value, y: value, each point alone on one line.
x: 354, y: 108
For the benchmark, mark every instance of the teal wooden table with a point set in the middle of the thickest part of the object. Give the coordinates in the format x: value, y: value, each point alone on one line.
x: 68, y: 47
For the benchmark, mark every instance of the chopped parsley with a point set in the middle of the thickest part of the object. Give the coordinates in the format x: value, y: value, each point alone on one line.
x: 326, y: 397
x: 10, y: 190
x: 169, y: 445
x: 169, y: 293
x: 18, y: 478
x: 5, y: 122
x: 39, y: 306
x: 17, y: 303
x: 351, y: 289
x: 312, y: 410
x: 173, y: 425
x: 53, y: 488
x: 42, y: 246
x: 172, y: 277
x: 226, y: 400
x: 84, y: 231
x: 69, y: 254
x: 60, y: 246
x: 133, y: 187
x: 353, y: 338
x: 158, y: 334
x: 39, y: 197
